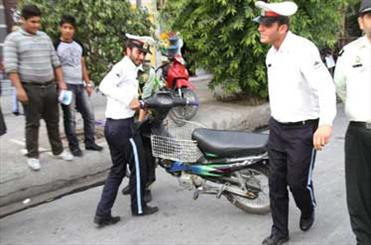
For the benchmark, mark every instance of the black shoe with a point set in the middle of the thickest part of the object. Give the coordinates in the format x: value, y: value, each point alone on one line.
x: 126, y: 190
x: 146, y: 211
x: 104, y: 221
x: 76, y: 152
x: 306, y: 223
x: 147, y: 196
x: 275, y: 240
x: 94, y: 147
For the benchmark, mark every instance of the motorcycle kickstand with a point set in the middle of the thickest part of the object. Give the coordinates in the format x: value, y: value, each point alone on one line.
x: 199, y: 189
x: 196, y: 194
x: 220, y: 191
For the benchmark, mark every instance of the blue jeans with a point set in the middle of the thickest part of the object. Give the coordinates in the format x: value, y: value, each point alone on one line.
x: 81, y: 103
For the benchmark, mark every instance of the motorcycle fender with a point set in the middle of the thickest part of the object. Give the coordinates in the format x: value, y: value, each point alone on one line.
x: 184, y: 83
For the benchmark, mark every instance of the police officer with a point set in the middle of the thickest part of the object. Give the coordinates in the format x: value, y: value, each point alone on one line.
x: 353, y: 82
x: 303, y: 106
x: 120, y: 86
x: 146, y: 76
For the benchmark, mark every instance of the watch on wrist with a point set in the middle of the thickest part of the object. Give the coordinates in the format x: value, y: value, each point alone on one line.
x: 90, y: 84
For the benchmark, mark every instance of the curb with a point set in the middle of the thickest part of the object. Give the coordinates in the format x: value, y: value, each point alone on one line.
x: 22, y: 189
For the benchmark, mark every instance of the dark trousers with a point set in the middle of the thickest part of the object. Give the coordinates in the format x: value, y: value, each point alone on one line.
x: 150, y: 160
x: 146, y: 132
x: 81, y: 103
x: 358, y: 180
x: 292, y: 157
x: 42, y: 104
x: 2, y: 124
x: 125, y: 148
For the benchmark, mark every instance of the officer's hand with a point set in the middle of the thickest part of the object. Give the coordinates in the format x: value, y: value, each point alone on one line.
x: 322, y: 136
x: 134, y: 104
x: 22, y: 96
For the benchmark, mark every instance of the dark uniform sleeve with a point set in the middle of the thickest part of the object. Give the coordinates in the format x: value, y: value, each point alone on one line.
x: 82, y: 46
x: 56, y: 43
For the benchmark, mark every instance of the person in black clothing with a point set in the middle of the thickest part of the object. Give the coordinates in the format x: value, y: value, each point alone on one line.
x: 2, y: 122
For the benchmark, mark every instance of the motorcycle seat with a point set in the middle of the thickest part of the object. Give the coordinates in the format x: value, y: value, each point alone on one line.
x: 226, y: 143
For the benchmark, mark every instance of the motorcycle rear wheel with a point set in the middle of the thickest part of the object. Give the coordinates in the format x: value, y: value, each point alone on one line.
x: 260, y: 203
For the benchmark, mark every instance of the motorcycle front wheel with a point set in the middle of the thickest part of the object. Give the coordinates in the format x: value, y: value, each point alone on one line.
x: 258, y: 200
x: 184, y: 113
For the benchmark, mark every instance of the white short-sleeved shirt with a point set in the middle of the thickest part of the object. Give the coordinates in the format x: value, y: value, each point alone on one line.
x: 353, y: 79
x: 120, y: 86
x: 300, y: 86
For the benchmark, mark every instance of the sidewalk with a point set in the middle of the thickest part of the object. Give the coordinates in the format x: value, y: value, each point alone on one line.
x: 21, y: 187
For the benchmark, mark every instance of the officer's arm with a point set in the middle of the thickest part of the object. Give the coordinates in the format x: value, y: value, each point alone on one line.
x: 340, y: 76
x: 320, y: 80
x: 109, y: 87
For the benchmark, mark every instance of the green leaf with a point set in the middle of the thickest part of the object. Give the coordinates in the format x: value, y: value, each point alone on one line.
x: 101, y: 27
x: 223, y: 39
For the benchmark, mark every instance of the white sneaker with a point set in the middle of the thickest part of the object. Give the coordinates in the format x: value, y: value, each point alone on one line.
x: 33, y: 163
x: 65, y: 155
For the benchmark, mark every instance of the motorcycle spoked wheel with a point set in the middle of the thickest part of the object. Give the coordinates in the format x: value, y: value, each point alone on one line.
x: 259, y: 202
x: 181, y: 114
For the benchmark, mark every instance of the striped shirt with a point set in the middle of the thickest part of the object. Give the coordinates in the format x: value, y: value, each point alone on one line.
x: 32, y: 56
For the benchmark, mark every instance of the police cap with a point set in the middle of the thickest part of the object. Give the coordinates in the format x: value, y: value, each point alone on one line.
x: 365, y: 7
x: 272, y: 12
x: 143, y: 43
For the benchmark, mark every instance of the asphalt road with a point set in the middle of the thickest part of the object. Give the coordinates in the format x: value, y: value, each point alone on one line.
x: 181, y: 220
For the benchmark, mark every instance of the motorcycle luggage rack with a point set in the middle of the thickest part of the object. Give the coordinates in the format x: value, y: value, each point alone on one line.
x: 177, y: 145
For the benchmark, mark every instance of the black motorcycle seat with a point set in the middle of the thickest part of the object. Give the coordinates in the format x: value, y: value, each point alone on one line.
x: 226, y: 143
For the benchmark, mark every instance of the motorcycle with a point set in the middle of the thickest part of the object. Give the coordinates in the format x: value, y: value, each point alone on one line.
x: 176, y: 78
x: 233, y: 164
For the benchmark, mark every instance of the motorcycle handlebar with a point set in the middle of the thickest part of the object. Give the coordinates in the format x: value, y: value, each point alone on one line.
x: 184, y: 102
x: 166, y: 102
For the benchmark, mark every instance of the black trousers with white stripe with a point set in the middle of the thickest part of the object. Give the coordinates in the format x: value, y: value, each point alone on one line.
x: 125, y: 148
x: 292, y: 157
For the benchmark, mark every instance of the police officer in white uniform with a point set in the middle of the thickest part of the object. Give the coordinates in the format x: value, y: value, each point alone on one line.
x: 303, y: 106
x: 120, y: 86
x: 353, y: 83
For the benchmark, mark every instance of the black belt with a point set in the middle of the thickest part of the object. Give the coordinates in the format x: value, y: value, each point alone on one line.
x: 44, y: 84
x: 299, y: 123
x: 366, y: 125
x: 122, y: 119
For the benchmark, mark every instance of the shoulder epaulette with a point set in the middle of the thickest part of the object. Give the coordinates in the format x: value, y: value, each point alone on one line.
x: 341, y: 52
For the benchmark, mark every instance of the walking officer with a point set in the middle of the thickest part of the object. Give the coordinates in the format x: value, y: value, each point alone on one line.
x: 120, y: 86
x: 353, y: 82
x: 303, y: 106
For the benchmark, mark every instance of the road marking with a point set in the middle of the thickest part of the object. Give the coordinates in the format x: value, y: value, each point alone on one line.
x: 18, y: 142
x: 22, y: 143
